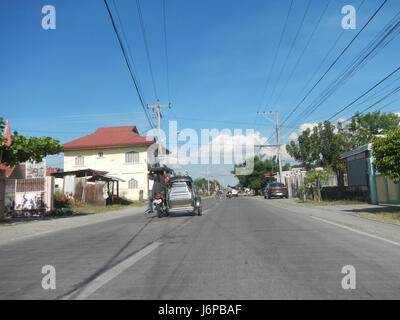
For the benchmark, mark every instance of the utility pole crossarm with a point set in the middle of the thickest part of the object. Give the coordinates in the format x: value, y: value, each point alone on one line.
x: 278, y: 142
x: 158, y: 111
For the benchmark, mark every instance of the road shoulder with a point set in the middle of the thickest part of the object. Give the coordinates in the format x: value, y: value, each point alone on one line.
x: 341, y: 215
x: 38, y: 228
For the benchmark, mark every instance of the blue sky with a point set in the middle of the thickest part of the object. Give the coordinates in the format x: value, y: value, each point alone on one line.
x: 67, y: 82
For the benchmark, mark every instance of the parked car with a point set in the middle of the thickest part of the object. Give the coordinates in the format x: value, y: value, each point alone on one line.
x: 275, y: 190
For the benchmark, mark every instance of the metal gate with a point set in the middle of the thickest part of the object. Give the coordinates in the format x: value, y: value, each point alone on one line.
x: 34, y: 194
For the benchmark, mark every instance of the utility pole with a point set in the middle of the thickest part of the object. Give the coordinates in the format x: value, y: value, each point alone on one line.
x: 208, y: 183
x: 159, y: 115
x: 278, y: 140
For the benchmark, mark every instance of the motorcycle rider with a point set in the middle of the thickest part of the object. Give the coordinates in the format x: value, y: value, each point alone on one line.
x: 158, y: 186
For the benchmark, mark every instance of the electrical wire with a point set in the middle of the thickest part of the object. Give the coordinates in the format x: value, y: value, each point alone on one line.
x: 291, y: 48
x: 146, y: 46
x: 166, y: 47
x: 133, y: 76
x: 336, y: 60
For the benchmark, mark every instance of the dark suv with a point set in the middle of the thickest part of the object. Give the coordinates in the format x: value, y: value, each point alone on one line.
x: 275, y: 190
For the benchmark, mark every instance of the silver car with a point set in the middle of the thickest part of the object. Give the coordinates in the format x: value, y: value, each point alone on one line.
x: 181, y: 196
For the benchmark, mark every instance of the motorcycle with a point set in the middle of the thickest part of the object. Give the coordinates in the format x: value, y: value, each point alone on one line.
x: 229, y: 194
x: 160, y: 205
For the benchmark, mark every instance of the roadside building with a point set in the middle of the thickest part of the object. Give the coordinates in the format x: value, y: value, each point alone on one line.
x: 120, y: 151
x: 361, y: 178
x: 361, y: 172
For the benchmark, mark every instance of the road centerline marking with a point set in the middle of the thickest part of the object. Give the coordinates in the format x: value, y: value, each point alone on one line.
x: 110, y: 274
x: 357, y: 231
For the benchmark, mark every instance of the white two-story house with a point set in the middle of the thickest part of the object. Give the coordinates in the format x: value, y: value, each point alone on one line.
x: 119, y: 150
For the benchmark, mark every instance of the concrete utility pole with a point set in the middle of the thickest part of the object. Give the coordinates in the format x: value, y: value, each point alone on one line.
x: 208, y: 183
x: 278, y: 140
x: 159, y: 115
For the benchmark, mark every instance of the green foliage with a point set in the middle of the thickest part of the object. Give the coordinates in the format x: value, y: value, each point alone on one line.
x: 256, y: 179
x: 387, y: 155
x: 23, y: 149
x: 320, y: 147
x: 314, y: 179
x: 364, y: 127
x: 2, y: 125
x: 324, y: 144
x: 202, y: 183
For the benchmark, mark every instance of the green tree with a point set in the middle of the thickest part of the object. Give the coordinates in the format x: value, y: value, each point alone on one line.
x: 305, y: 149
x: 364, y: 127
x: 315, y: 179
x: 256, y: 180
x: 23, y: 149
x: 200, y: 183
x: 386, y: 152
x: 320, y: 147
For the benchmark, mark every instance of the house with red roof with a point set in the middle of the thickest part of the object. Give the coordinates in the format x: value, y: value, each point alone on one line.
x: 121, y: 151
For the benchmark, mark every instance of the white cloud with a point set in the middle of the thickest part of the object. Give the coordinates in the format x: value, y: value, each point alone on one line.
x: 224, y: 148
x: 306, y: 126
x: 293, y: 136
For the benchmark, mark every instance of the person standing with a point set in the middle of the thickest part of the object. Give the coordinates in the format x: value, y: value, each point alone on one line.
x: 150, y: 196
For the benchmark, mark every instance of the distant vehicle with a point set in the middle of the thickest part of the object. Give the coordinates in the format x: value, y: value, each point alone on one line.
x: 275, y: 190
x: 232, y: 192
x: 235, y: 192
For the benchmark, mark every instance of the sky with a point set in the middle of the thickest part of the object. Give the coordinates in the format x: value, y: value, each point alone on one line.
x: 67, y: 82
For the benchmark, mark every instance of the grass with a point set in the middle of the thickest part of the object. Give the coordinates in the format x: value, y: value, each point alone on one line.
x: 62, y: 208
x: 330, y: 203
x: 392, y: 217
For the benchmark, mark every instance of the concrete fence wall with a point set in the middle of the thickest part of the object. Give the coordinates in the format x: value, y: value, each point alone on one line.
x: 2, y: 193
x: 9, y: 200
x: 357, y: 193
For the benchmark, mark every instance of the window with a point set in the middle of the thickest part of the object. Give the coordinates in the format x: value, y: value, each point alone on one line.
x: 79, y: 161
x: 132, y: 184
x: 132, y: 157
x: 100, y: 154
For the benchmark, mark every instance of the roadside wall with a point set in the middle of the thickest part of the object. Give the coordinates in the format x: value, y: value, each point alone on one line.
x: 357, y: 193
x: 2, y: 193
x: 9, y: 200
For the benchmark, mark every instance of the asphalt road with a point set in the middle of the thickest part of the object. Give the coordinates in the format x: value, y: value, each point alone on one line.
x: 241, y: 248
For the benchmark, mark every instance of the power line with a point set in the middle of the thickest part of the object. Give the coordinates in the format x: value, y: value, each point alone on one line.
x: 128, y: 46
x: 166, y: 46
x: 365, y: 93
x: 394, y: 91
x: 380, y: 42
x: 291, y: 48
x: 146, y: 46
x: 274, y: 61
x: 336, y: 60
x: 277, y: 51
x: 129, y: 66
x: 304, y: 50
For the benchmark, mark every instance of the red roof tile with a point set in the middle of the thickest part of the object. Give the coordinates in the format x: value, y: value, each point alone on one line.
x: 49, y: 171
x: 110, y: 137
